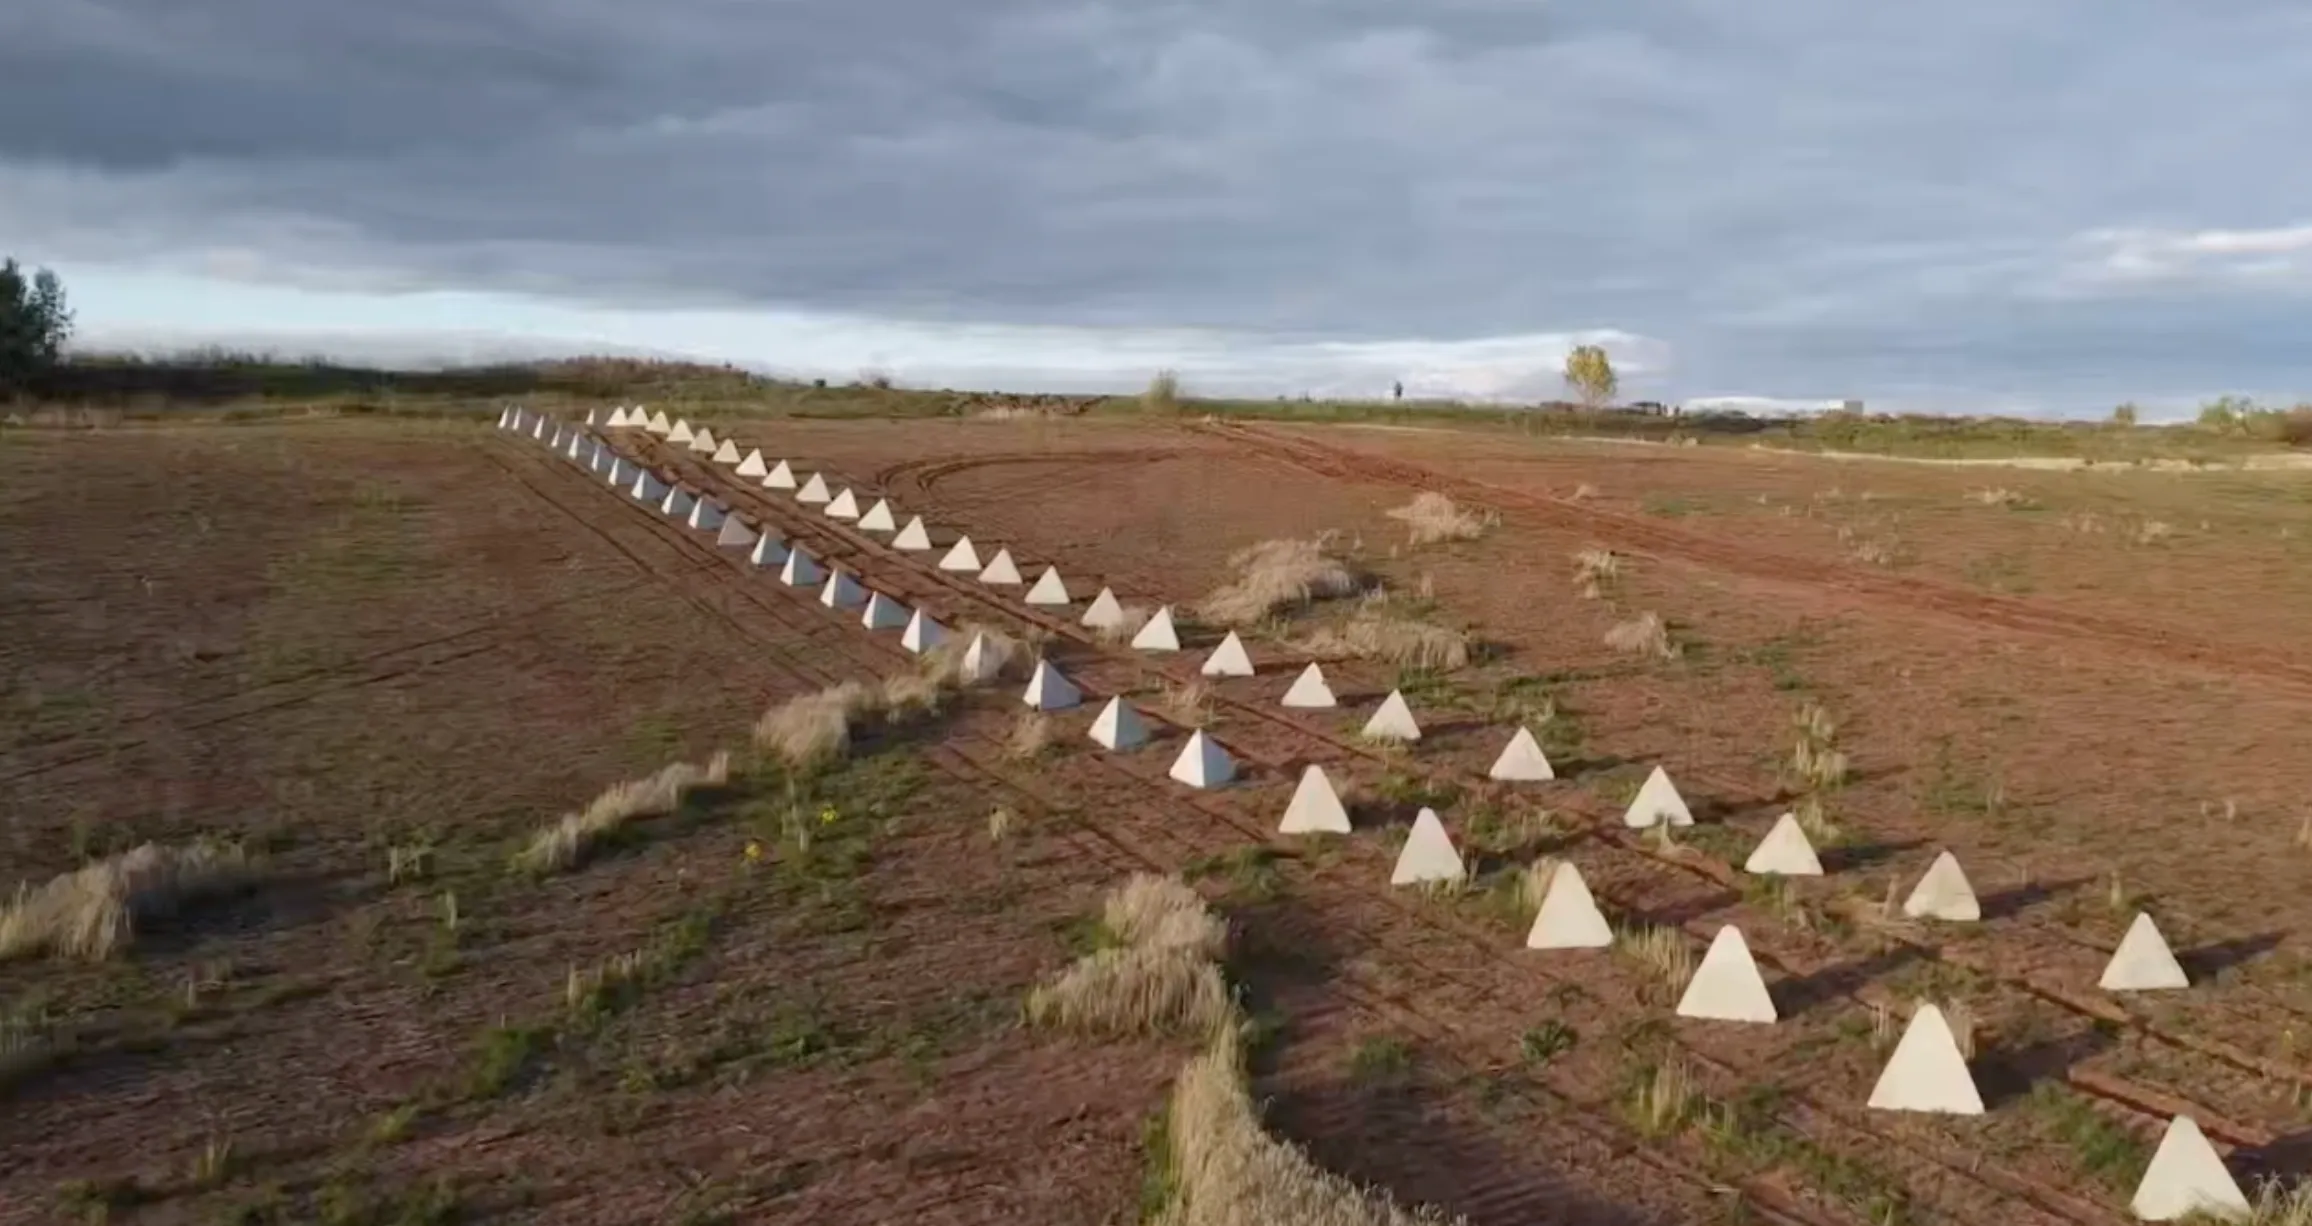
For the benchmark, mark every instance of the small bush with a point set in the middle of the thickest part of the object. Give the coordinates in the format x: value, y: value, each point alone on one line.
x: 1163, y: 976
x: 1593, y: 569
x: 1644, y: 635
x: 1408, y: 642
x: 1432, y: 517
x: 93, y: 911
x: 1274, y: 576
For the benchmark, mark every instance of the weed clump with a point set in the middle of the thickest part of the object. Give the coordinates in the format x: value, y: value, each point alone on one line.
x: 1274, y: 576
x: 93, y: 911
x: 1644, y: 635
x: 811, y: 730
x: 1376, y: 634
x: 564, y: 844
x: 1432, y: 517
x: 1161, y: 975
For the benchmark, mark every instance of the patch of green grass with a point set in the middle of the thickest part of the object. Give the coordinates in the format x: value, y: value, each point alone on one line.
x: 1380, y: 1058
x: 1159, y: 1174
x: 2110, y: 1152
x: 503, y: 1057
x: 1413, y: 791
x: 1748, y: 1136
x: 1953, y: 790
x: 1250, y: 872
x: 1427, y: 687
x: 1543, y: 1043
x: 655, y: 737
x: 352, y: 1199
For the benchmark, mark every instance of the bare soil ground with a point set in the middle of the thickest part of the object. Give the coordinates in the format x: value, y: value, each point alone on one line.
x: 337, y: 639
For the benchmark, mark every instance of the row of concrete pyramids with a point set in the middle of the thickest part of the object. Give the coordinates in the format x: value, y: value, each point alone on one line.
x: 1926, y: 1072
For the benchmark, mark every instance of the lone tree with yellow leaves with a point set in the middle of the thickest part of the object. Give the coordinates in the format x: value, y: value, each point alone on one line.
x: 1590, y: 373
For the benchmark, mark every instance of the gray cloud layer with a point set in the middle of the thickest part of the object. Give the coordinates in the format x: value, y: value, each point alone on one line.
x: 1800, y: 197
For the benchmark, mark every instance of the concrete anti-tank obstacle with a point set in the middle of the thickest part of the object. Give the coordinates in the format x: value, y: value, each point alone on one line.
x: 768, y: 550
x: 1119, y: 726
x: 961, y: 557
x: 1521, y: 760
x: 842, y: 591
x: 1309, y: 690
x: 704, y: 442
x: 1001, y: 571
x: 814, y: 491
x: 922, y: 633
x: 648, y: 488
x: 914, y: 538
x: 1393, y: 721
x: 1926, y: 1071
x: 2143, y: 962
x: 752, y: 465
x: 1727, y: 987
x: 594, y: 416
x: 1657, y: 802
x: 884, y: 613
x: 1158, y: 634
x: 1048, y: 690
x: 617, y: 418
x: 1568, y: 917
x: 979, y: 661
x: 1315, y: 807
x: 619, y: 475
x: 505, y: 417
x: 727, y: 453
x: 1428, y: 855
x: 878, y: 517
x: 1784, y: 852
x: 781, y: 477
x: 1944, y: 894
x: 677, y: 503
x: 735, y: 534
x: 601, y: 459
x: 658, y: 425
x: 1105, y: 612
x: 576, y: 446
x: 1203, y: 763
x: 705, y: 516
x: 2187, y: 1176
x: 538, y: 425
x: 1050, y: 590
x: 844, y: 505
x: 1230, y: 659
x: 800, y: 570
x: 680, y: 432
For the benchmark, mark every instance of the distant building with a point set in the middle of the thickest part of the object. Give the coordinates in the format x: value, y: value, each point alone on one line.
x: 1850, y: 406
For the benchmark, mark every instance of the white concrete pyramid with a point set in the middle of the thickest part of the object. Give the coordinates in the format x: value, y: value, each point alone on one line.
x: 843, y: 506
x: 648, y: 488
x: 1657, y: 802
x: 1944, y: 894
x: 1315, y: 807
x: 922, y: 633
x: 1049, y: 589
x: 914, y: 538
x: 979, y: 662
x: 601, y: 459
x: 1521, y: 760
x: 1785, y: 851
x: 703, y: 442
x: 800, y: 570
x: 594, y: 417
x: 1119, y: 726
x: 677, y: 503
x: 706, y: 516
x: 1228, y: 660
x: 1726, y: 987
x: 1047, y: 689
x: 1428, y: 854
x: 1105, y: 612
x: 735, y: 534
x: 1927, y: 1073
x: 1158, y: 634
x: 752, y: 466
x: 1569, y: 917
x: 1309, y: 689
x: 620, y: 475
x: 814, y: 490
x: 552, y: 438
x: 520, y: 422
x: 878, y: 517
x: 680, y: 432
x: 576, y: 446
x: 1001, y: 570
x: 768, y: 550
x: 2143, y: 962
x: 962, y: 557
x: 2187, y: 1176
x: 1394, y: 721
x: 657, y: 423
x: 781, y: 477
x: 505, y: 417
x: 618, y: 417
x: 883, y: 613
x: 842, y: 591
x: 538, y: 427
x: 727, y: 453
x: 1202, y: 762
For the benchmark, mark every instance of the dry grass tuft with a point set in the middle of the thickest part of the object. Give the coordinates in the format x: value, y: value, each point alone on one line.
x: 1533, y: 883
x: 1374, y: 633
x: 1962, y: 1023
x: 811, y: 730
x: 1162, y: 976
x: 1584, y: 492
x: 564, y: 844
x: 1013, y: 656
x: 1999, y: 496
x: 1274, y: 576
x: 1226, y: 1171
x: 1661, y: 950
x: 1031, y: 735
x: 1593, y: 569
x: 92, y: 912
x: 1186, y: 703
x: 1432, y: 517
x: 1644, y: 635
x: 1663, y: 1100
x: 1135, y: 618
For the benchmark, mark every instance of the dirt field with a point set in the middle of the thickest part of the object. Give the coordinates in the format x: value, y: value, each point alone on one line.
x: 335, y: 640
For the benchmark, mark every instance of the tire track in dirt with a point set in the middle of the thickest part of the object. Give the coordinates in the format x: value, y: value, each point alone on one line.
x: 858, y: 547
x: 1604, y: 828
x: 1888, y: 595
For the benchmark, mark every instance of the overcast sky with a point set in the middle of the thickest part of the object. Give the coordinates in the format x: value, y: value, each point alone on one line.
x: 2022, y: 205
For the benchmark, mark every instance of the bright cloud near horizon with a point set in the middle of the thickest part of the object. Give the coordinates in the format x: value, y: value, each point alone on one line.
x: 1978, y: 206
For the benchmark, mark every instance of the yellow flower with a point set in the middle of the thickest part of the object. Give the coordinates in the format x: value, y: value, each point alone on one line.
x: 829, y: 815
x: 754, y: 850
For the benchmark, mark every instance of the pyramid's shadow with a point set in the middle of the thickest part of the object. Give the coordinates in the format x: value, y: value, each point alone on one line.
x: 2002, y: 1076
x: 1801, y: 993
x: 2209, y: 961
x: 2008, y: 903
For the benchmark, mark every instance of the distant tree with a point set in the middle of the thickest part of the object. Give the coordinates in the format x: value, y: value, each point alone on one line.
x: 1162, y: 395
x: 1590, y: 373
x: 2124, y: 415
x: 34, y: 324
